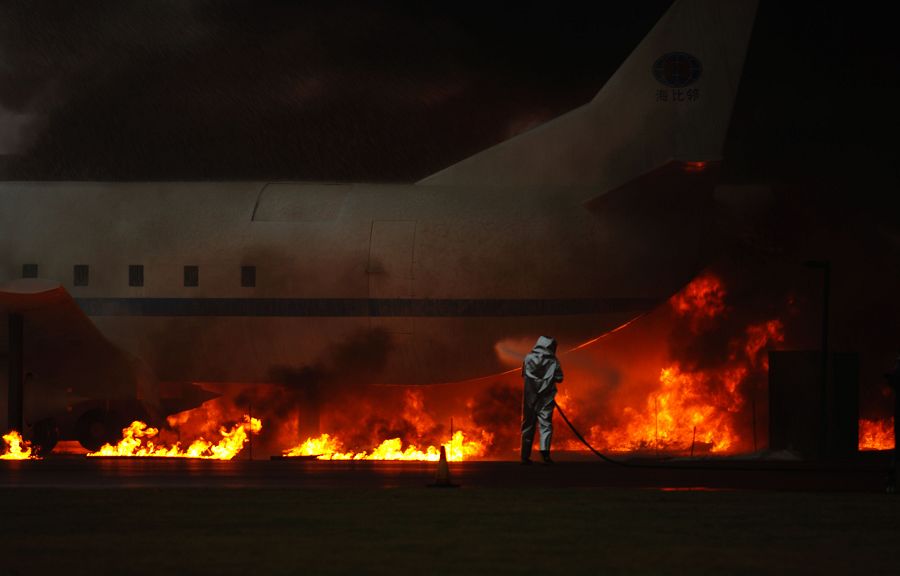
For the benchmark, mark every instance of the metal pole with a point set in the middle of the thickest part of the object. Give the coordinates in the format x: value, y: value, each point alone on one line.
x: 16, y: 372
x: 826, y: 294
x: 893, y: 379
x: 824, y: 429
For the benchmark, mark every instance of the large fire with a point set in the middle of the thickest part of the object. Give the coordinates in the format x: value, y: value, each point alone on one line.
x: 702, y: 299
x: 407, y: 433
x: 688, y: 407
x: 17, y: 448
x: 141, y: 440
x: 695, y: 409
x: 876, y: 434
x: 326, y: 447
x: 688, y: 377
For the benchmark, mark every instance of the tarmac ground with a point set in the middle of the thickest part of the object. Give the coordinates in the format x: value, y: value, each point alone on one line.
x: 78, y: 516
x: 865, y: 474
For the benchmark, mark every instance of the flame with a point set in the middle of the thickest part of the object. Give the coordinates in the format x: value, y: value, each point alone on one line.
x: 691, y: 407
x: 648, y: 391
x: 679, y: 414
x: 414, y: 422
x: 17, y: 448
x: 876, y: 434
x: 327, y: 447
x: 139, y: 440
x: 702, y: 299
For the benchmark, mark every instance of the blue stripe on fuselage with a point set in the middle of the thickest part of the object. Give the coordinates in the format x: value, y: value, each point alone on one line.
x: 358, y: 307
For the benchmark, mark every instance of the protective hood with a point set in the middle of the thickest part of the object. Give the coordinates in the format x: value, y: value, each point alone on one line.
x: 545, y: 346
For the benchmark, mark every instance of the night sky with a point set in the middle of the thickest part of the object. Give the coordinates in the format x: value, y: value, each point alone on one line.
x: 361, y: 91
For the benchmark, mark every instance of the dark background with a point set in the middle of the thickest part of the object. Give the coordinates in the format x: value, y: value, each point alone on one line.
x: 356, y: 90
x: 366, y: 91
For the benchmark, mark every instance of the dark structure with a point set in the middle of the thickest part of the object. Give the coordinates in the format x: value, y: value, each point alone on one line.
x: 893, y: 378
x: 795, y: 397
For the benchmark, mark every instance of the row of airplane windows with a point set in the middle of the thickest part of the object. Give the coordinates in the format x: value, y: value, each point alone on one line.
x: 81, y: 275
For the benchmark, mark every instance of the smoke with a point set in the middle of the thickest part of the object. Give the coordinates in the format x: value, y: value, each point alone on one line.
x: 335, y: 394
x: 689, y: 376
x: 52, y: 57
x: 695, y: 365
x: 340, y: 382
x: 195, y: 89
x: 348, y: 367
x: 498, y: 409
x: 698, y: 360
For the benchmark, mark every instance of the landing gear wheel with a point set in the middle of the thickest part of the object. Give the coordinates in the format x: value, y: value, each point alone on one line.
x: 96, y: 428
x: 44, y: 435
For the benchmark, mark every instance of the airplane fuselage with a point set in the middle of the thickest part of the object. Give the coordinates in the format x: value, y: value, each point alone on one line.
x: 285, y: 271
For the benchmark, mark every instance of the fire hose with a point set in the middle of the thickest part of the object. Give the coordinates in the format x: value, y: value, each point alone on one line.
x: 606, y: 458
x: 578, y: 435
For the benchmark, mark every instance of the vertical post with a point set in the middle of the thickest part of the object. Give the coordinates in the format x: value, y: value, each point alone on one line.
x: 824, y: 429
x: 894, y: 381
x: 826, y: 294
x: 16, y: 372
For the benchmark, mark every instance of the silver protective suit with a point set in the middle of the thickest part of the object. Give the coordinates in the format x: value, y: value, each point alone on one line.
x: 541, y: 371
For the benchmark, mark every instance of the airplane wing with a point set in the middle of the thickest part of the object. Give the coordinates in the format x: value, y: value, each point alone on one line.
x: 67, y: 360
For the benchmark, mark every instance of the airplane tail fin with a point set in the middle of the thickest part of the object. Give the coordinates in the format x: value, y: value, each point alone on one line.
x: 670, y: 100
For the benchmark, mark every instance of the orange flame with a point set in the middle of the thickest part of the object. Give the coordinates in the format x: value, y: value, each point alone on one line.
x: 702, y: 299
x: 876, y: 434
x: 139, y: 440
x: 668, y: 404
x: 17, y: 448
x: 691, y: 408
x: 675, y: 415
x: 327, y: 447
x: 760, y: 335
x: 415, y: 415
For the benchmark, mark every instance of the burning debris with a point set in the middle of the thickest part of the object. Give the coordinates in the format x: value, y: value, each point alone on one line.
x: 876, y: 434
x: 17, y: 448
x: 326, y: 447
x: 141, y: 441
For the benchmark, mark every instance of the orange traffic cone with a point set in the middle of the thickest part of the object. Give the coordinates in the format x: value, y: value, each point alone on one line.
x: 442, y: 478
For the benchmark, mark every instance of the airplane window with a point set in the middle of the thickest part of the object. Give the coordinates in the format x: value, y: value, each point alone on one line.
x: 191, y: 276
x: 81, y: 275
x: 29, y: 270
x: 248, y: 276
x: 135, y: 275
